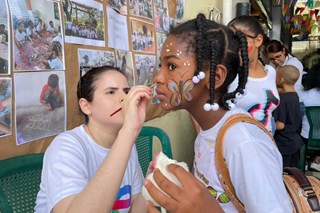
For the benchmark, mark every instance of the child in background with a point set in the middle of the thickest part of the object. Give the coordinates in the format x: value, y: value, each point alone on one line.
x: 50, y: 95
x: 199, y: 60
x: 288, y: 117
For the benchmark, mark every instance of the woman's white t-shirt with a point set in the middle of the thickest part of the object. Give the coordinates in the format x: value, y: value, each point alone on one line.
x: 71, y: 161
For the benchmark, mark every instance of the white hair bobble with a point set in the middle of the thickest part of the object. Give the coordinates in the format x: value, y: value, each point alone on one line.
x: 196, y: 79
x: 207, y: 107
x: 239, y: 95
x: 230, y: 104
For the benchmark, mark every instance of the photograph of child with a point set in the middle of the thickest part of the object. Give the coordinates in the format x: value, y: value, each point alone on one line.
x: 94, y: 58
x: 142, y: 36
x: 5, y: 106
x: 125, y: 63
x: 142, y: 8
x: 4, y: 39
x: 146, y: 69
x: 37, y: 38
x: 39, y: 105
x: 84, y: 22
x: 119, y: 5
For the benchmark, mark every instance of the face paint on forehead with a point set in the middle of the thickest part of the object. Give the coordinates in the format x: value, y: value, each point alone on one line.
x: 168, y: 49
x: 178, y: 53
x: 186, y: 63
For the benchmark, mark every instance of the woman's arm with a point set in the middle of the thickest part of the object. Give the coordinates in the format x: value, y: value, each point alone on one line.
x: 100, y: 193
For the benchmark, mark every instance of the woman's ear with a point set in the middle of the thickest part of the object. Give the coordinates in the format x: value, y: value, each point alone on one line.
x: 84, y: 106
x: 220, y: 77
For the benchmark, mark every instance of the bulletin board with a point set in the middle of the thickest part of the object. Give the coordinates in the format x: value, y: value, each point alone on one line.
x: 23, y: 75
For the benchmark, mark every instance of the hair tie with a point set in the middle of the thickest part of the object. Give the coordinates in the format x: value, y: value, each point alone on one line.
x: 230, y: 104
x: 207, y: 107
x: 199, y: 76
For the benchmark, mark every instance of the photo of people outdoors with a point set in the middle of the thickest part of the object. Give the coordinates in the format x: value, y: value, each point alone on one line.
x: 146, y: 69
x: 142, y: 8
x: 4, y: 38
x: 119, y: 5
x: 38, y: 42
x: 94, y: 58
x: 84, y: 22
x: 5, y: 107
x: 40, y: 105
x: 162, y: 19
x: 142, y: 36
x: 125, y: 63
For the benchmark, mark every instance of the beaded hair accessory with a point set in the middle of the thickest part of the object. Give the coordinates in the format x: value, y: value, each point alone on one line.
x: 199, y: 75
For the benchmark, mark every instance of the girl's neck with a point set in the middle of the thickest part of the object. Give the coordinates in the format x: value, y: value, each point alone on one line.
x: 256, y: 69
x: 207, y: 120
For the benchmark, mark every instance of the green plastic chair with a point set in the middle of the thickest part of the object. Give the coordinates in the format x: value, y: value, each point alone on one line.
x: 144, y: 144
x: 313, y: 115
x: 20, y: 182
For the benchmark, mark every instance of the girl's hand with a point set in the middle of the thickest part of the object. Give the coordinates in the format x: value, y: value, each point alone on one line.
x: 134, y: 107
x: 191, y: 197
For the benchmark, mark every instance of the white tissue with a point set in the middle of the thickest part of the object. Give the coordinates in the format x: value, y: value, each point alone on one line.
x: 162, y: 162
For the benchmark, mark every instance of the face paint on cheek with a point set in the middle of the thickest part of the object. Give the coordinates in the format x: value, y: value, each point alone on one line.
x: 175, y: 98
x: 180, y: 90
x: 250, y: 49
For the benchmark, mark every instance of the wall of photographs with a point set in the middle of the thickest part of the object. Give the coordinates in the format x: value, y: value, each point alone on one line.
x: 47, y: 44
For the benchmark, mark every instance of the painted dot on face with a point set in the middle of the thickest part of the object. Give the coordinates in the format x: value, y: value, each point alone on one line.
x: 167, y: 50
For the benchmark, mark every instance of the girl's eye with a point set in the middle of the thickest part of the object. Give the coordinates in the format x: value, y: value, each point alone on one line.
x: 172, y: 67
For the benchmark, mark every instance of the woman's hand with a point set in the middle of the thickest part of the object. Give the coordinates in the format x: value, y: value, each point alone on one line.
x: 191, y: 197
x: 134, y: 107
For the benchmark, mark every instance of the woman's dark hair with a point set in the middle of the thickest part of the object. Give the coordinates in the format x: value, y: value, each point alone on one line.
x: 87, y: 83
x: 274, y: 46
x: 251, y: 24
x: 215, y: 44
x: 53, y: 80
x: 312, y: 78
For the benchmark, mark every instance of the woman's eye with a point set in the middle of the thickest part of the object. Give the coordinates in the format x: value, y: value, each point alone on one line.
x: 110, y: 92
x: 127, y: 90
x: 172, y: 67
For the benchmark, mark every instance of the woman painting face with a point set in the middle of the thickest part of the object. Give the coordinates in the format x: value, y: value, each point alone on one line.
x: 174, y: 78
x: 111, y: 89
x: 277, y: 58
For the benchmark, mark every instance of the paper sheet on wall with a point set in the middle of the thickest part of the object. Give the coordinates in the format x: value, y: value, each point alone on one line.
x: 117, y: 30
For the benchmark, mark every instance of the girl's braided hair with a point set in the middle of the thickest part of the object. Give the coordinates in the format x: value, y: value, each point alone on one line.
x: 214, y: 44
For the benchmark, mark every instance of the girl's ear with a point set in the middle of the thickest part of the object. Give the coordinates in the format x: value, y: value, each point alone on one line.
x: 85, y: 106
x: 221, y: 75
x: 259, y: 40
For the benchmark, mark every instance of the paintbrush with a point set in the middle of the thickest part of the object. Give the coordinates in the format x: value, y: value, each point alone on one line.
x: 118, y: 110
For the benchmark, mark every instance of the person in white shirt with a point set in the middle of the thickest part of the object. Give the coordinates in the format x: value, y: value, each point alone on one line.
x: 311, y: 97
x: 95, y: 167
x: 51, y: 28
x: 279, y: 55
x: 199, y: 59
x: 262, y: 96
